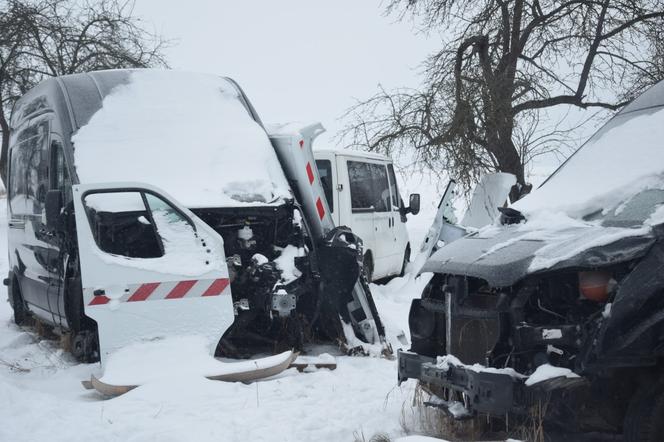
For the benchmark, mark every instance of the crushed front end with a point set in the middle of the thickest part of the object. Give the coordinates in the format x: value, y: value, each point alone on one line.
x: 581, y: 339
x: 289, y: 289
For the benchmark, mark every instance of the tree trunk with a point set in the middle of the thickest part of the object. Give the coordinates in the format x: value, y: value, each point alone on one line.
x: 510, y: 162
x: 508, y: 159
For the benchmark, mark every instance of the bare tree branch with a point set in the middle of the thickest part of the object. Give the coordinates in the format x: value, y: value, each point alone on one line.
x: 44, y: 38
x: 507, y: 62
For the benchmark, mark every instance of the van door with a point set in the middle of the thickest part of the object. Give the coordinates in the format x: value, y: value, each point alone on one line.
x: 27, y: 237
x: 359, y: 202
x: 369, y: 193
x: 327, y: 171
x: 150, y: 268
x: 399, y: 231
x: 383, y: 217
x: 58, y: 179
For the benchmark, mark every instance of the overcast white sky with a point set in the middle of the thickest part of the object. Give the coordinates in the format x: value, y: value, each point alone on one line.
x: 297, y: 60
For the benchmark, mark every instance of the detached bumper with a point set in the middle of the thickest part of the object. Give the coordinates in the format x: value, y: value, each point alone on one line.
x: 492, y: 393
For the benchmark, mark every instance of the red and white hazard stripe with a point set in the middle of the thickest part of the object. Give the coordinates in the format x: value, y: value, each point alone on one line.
x: 320, y: 208
x: 156, y: 291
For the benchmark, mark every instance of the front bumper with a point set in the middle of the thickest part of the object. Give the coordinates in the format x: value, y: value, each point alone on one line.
x: 485, y: 392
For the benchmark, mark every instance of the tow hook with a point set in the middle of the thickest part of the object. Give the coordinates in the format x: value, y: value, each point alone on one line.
x: 283, y: 302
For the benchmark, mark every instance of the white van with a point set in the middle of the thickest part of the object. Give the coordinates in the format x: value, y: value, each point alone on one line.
x: 362, y: 193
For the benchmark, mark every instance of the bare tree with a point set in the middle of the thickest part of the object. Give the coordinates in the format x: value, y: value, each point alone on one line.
x: 507, y: 62
x: 46, y: 38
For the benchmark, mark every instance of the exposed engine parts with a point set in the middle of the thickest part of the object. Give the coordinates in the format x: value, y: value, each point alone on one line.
x: 286, y: 288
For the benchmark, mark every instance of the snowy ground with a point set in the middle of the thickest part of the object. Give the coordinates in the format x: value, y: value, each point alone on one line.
x: 41, y: 397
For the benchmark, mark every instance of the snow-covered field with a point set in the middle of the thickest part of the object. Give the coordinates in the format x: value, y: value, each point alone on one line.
x: 41, y: 397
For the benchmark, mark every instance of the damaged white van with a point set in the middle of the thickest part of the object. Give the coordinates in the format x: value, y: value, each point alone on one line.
x: 148, y: 203
x: 362, y: 193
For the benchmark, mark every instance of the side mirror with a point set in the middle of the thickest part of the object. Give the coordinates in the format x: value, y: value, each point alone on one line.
x: 414, y: 203
x: 53, y: 207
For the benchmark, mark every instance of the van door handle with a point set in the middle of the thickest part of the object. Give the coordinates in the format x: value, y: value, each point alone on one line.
x: 16, y: 224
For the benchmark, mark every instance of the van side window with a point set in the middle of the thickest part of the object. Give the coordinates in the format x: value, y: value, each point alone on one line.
x: 59, y: 173
x: 16, y: 182
x: 122, y: 225
x: 369, y: 187
x: 137, y: 224
x: 325, y: 173
x: 37, y: 150
x: 394, y: 190
x: 29, y: 169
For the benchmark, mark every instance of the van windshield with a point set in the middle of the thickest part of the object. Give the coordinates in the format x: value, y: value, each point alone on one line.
x: 188, y: 134
x: 622, y: 160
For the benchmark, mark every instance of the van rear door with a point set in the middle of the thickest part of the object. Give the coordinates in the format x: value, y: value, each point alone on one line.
x: 150, y: 268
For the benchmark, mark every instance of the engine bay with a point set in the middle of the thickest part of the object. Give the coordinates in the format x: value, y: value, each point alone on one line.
x: 267, y: 253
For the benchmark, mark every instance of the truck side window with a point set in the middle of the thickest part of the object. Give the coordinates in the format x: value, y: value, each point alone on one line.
x: 325, y: 173
x: 394, y: 190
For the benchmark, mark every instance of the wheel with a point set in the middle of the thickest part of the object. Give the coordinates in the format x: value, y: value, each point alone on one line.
x: 406, y: 260
x: 643, y: 420
x: 367, y: 267
x: 20, y: 311
x: 85, y: 346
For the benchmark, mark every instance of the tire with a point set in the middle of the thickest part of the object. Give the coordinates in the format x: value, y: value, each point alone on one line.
x: 367, y: 267
x: 643, y: 420
x: 406, y: 260
x: 18, y: 305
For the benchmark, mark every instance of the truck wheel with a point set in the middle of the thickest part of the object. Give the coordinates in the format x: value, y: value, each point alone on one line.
x: 643, y: 420
x: 406, y: 260
x: 20, y: 312
x: 367, y: 267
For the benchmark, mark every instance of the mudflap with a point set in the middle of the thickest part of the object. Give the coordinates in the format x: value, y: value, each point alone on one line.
x: 345, y: 294
x: 244, y: 371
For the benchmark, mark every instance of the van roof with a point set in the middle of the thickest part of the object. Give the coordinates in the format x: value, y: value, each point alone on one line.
x: 80, y: 94
x: 217, y: 124
x: 354, y: 153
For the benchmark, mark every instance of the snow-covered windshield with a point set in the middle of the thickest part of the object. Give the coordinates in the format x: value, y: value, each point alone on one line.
x: 632, y: 212
x: 606, y: 178
x: 188, y: 134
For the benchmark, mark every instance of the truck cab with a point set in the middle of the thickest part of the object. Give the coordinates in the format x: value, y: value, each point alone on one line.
x: 362, y: 193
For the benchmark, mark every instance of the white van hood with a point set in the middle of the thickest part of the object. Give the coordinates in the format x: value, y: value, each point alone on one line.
x: 186, y: 133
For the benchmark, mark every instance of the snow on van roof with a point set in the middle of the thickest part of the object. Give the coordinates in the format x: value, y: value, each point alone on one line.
x: 186, y: 133
x: 353, y: 153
